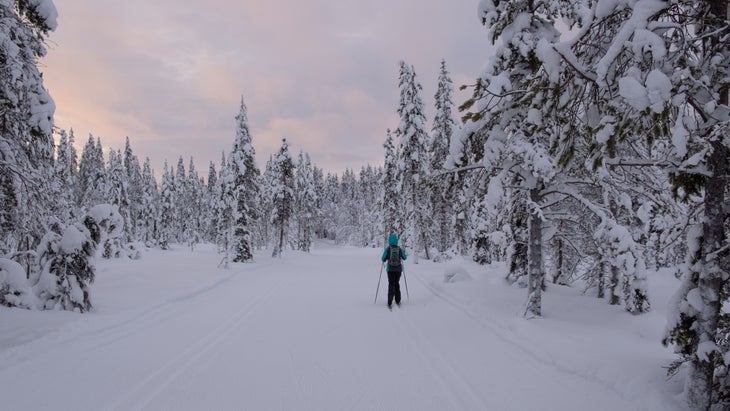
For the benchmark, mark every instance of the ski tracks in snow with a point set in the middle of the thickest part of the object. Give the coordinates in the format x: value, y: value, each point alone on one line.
x: 543, y: 359
x: 461, y: 393
x: 142, y: 393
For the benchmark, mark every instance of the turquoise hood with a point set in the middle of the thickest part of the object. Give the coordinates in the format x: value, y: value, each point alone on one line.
x: 393, y: 239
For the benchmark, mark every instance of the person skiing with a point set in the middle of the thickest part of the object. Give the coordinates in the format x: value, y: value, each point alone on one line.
x: 394, y: 255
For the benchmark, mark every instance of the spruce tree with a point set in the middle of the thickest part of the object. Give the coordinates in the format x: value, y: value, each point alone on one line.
x: 246, y: 175
x: 149, y: 205
x: 167, y: 209
x: 392, y: 206
x: 195, y: 200
x: 283, y: 196
x: 182, y: 203
x: 442, y: 186
x: 65, y: 178
x: 414, y: 161
x: 212, y: 198
x: 117, y: 191
x: 305, y: 202
x: 26, y: 123
x: 225, y: 211
x: 92, y: 175
x: 135, y: 191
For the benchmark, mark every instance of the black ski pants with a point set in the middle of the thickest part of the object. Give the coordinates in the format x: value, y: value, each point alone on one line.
x: 393, y: 287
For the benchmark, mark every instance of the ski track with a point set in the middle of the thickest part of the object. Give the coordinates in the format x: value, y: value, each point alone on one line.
x: 519, y: 346
x: 99, y: 338
x: 442, y: 370
x: 145, y: 391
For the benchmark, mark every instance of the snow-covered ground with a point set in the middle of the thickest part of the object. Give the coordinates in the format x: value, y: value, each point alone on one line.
x: 172, y: 331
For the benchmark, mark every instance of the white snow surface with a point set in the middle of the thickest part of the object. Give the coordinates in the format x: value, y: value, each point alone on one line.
x: 171, y: 331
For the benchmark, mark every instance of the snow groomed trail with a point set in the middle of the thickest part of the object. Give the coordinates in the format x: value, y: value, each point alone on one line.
x: 296, y: 333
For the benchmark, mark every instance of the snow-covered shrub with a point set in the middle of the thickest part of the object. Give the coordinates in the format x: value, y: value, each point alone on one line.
x: 66, y: 269
x: 106, y: 227
x: 456, y: 274
x: 14, y: 288
x: 625, y: 255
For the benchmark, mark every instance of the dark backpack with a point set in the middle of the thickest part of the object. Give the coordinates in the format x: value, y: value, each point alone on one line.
x: 394, y: 263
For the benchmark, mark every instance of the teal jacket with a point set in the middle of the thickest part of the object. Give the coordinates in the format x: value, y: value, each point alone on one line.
x: 393, y: 240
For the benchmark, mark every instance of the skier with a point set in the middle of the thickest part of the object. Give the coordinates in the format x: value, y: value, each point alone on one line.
x: 393, y: 254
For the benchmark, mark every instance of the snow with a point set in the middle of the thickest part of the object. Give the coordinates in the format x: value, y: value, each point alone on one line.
x: 633, y: 92
x: 72, y: 240
x: 14, y: 288
x: 170, y: 331
x: 47, y: 10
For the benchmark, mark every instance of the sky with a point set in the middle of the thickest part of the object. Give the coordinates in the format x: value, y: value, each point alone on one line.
x: 323, y: 74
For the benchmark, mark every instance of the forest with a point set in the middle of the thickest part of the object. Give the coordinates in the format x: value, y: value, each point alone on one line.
x: 584, y: 157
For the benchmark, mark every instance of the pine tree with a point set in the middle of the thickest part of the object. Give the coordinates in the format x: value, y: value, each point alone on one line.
x: 413, y: 160
x: 246, y: 174
x: 283, y: 196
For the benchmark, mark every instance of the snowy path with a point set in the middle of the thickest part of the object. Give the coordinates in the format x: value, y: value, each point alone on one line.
x: 290, y: 334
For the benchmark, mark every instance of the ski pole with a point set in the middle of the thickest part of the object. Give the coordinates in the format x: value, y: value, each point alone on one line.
x: 379, y: 277
x: 406, y: 281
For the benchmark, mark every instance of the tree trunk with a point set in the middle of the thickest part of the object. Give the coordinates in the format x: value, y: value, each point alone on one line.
x: 536, y: 274
x: 602, y: 280
x: 700, y: 378
x: 614, y: 298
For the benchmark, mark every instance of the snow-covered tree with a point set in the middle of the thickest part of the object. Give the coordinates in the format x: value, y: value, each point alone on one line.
x: 413, y: 161
x: 370, y: 208
x: 92, y: 175
x: 442, y: 186
x: 135, y: 189
x: 65, y: 177
x: 282, y: 195
x: 246, y: 175
x: 167, y: 209
x: 26, y: 123
x: 211, y: 188
x: 225, y: 211
x: 66, y: 269
x: 305, y: 202
x: 182, y: 203
x: 392, y: 205
x: 117, y: 192
x: 196, y: 198
x: 149, y: 205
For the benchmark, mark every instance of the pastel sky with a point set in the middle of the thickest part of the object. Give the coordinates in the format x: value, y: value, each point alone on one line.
x: 170, y: 74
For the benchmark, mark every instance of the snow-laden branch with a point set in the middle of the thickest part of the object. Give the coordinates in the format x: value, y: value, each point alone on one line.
x: 639, y: 163
x: 569, y: 57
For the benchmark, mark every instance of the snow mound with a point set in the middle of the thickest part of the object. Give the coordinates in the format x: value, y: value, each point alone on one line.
x: 456, y: 274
